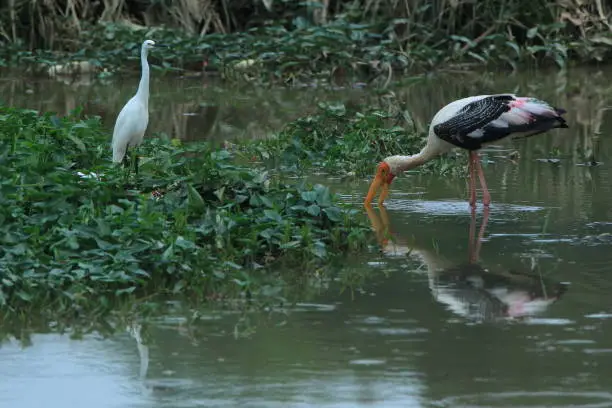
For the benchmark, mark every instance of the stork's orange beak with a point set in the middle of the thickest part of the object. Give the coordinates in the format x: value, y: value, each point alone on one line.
x: 382, y: 180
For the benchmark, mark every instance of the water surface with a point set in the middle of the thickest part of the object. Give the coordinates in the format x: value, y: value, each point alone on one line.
x: 435, y: 320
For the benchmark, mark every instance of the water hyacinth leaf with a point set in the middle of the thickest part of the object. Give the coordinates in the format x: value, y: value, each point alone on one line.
x: 76, y: 240
x: 267, y: 233
x: 115, y: 209
x: 255, y: 200
x: 273, y: 215
x: 266, y: 201
x: 195, y: 199
x: 232, y: 265
x: 532, y: 32
x: 319, y: 250
x: 308, y: 196
x: 291, y: 244
x: 72, y: 242
x: 24, y: 296
x: 178, y: 287
x: 102, y: 244
x: 323, y: 195
x: 313, y: 210
x: 184, y: 243
x: 260, y: 177
x: 125, y: 291
x: 218, y: 193
x: 141, y: 272
x: 240, y: 198
x: 103, y: 227
x: 333, y: 213
x: 167, y: 254
x: 79, y: 144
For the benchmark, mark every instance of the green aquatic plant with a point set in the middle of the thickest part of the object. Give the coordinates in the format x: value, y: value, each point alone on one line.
x: 375, y: 42
x: 346, y: 141
x: 193, y: 221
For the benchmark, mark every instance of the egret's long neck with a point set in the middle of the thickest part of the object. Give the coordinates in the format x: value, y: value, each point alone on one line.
x: 143, y: 87
x: 403, y: 163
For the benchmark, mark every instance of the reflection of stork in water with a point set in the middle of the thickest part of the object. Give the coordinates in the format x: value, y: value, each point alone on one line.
x: 147, y: 386
x: 469, y: 289
x: 135, y: 330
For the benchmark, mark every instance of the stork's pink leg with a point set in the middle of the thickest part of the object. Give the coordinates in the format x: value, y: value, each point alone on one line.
x: 476, y: 242
x: 471, y: 247
x: 472, y: 171
x: 483, y: 227
x: 486, y: 197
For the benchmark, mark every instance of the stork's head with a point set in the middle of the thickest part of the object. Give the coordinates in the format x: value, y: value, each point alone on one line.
x: 385, y: 173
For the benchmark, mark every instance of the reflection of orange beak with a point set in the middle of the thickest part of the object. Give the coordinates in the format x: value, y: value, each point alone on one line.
x: 381, y: 182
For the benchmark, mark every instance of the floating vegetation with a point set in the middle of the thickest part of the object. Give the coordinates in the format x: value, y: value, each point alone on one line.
x: 374, y: 41
x: 345, y: 141
x: 72, y: 226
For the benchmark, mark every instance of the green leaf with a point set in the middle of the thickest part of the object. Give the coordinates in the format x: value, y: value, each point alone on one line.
x: 125, y: 291
x: 313, y: 210
x: 194, y: 198
x: 323, y: 195
x: 273, y: 215
x: 79, y: 144
x: 532, y: 32
x: 219, y: 193
x: 168, y: 253
x: 291, y: 244
x: 309, y: 196
x: 266, y: 201
x: 333, y: 213
x: 184, y: 243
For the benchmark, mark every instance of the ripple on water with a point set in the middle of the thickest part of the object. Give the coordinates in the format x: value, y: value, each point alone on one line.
x: 597, y: 351
x: 169, y: 386
x: 571, y: 342
x: 440, y: 207
x: 548, y: 321
x: 530, y: 399
x: 539, y: 238
x: 373, y: 320
x: 313, y: 307
x: 599, y: 316
x: 390, y: 331
x: 368, y: 361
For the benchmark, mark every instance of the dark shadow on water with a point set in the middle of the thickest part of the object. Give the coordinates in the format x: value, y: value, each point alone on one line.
x: 470, y: 289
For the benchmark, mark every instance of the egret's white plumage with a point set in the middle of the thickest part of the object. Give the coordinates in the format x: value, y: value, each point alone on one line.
x: 470, y: 123
x: 133, y: 119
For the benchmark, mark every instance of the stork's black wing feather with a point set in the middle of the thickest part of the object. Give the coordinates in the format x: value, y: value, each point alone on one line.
x: 471, y: 117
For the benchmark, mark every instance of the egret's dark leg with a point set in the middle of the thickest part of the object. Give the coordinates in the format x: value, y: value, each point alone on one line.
x: 486, y: 197
x: 472, y: 171
x: 136, y: 160
x: 127, y: 162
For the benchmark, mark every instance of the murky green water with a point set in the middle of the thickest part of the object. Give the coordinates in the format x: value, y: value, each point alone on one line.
x: 524, y: 320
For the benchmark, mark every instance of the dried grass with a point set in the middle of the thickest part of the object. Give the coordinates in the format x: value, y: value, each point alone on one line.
x: 59, y: 21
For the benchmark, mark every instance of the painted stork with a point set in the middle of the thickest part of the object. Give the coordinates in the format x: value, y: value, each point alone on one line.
x: 470, y: 123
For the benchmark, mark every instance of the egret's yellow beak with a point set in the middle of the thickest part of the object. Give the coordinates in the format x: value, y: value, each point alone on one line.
x: 381, y: 182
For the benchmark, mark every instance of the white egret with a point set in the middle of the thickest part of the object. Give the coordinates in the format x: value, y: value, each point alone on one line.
x: 133, y: 119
